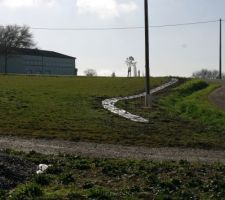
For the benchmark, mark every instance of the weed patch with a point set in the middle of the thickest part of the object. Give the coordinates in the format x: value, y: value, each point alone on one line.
x: 141, y: 180
x: 28, y: 191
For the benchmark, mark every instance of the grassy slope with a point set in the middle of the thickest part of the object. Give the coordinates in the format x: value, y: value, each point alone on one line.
x: 67, y: 108
x: 70, y: 108
x: 84, y: 178
x: 191, y: 101
x: 183, y: 117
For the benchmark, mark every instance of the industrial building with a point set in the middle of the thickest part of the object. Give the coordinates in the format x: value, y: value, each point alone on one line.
x: 35, y: 61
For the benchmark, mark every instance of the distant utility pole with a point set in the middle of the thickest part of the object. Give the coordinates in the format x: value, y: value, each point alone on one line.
x: 147, y: 74
x: 220, y: 50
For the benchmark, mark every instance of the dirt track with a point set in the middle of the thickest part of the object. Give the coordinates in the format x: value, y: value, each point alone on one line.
x: 218, y: 97
x: 110, y: 151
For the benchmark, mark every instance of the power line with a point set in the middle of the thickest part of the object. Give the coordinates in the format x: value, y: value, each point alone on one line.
x: 122, y: 28
x: 185, y: 24
x: 87, y: 29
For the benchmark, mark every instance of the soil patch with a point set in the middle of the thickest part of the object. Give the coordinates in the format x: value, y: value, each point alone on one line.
x: 218, y: 98
x: 14, y: 170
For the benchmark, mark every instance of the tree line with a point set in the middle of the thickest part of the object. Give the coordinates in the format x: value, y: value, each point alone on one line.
x: 207, y: 74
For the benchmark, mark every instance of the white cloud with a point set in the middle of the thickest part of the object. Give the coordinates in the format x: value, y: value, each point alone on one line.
x: 105, y: 9
x: 127, y: 7
x: 26, y: 3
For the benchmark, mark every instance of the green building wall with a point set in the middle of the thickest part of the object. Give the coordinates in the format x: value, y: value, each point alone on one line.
x: 26, y: 64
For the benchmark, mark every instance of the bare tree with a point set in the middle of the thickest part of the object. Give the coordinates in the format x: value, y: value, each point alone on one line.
x: 113, y: 75
x: 207, y: 74
x: 90, y: 72
x: 13, y: 36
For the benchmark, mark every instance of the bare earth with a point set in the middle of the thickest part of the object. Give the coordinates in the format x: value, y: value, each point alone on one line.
x: 110, y: 151
x: 14, y: 170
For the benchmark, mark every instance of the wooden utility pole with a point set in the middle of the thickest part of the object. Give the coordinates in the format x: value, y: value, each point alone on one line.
x: 220, y: 50
x: 147, y: 73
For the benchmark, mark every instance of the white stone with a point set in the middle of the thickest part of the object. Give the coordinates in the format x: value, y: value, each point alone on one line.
x: 109, y: 104
x: 42, y: 168
x: 39, y: 172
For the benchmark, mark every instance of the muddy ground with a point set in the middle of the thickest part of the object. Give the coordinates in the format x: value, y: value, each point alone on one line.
x: 14, y: 170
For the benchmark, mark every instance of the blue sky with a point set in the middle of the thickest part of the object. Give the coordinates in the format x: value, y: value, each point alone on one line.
x: 173, y: 50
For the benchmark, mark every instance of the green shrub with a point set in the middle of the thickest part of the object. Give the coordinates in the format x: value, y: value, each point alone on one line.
x: 83, y: 165
x: 115, y: 169
x: 75, y: 195
x: 42, y: 179
x: 37, y: 157
x: 67, y: 178
x: 190, y: 87
x: 152, y: 179
x: 55, y: 170
x: 28, y: 191
x: 100, y: 194
x: 184, y: 163
x: 194, y: 182
x: 88, y: 185
x: 2, y: 194
x: 135, y: 189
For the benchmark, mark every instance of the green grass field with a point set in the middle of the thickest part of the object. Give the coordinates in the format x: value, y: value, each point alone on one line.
x: 66, y: 107
x: 70, y: 108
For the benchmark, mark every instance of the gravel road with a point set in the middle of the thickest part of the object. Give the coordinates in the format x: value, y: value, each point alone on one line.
x: 218, y: 97
x: 110, y: 151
